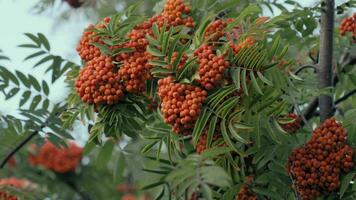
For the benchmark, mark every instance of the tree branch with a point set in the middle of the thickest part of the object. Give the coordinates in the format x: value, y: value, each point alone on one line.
x: 325, y: 72
x: 306, y: 66
x: 17, y: 148
x: 74, y: 187
x: 345, y: 97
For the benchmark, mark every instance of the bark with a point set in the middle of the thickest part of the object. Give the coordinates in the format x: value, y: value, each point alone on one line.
x: 325, y: 73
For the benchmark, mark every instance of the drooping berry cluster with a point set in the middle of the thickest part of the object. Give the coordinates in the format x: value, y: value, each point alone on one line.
x: 215, y: 29
x: 293, y: 126
x: 244, y: 44
x: 316, y: 166
x: 211, y: 67
x: 99, y: 82
x: 180, y: 104
x: 60, y: 160
x: 348, y: 24
x: 74, y: 3
x: 245, y: 193
x: 135, y: 71
x: 85, y: 48
x: 13, y: 182
x: 203, y: 140
x: 176, y: 13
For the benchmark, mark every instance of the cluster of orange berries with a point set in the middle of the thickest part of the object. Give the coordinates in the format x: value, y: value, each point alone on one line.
x: 99, y: 82
x: 181, y: 104
x: 245, y: 193
x: 13, y: 182
x: 60, y: 160
x: 248, y: 42
x: 215, y: 29
x: 316, y: 166
x: 74, y: 3
x: 293, y: 126
x: 211, y: 67
x: 86, y: 50
x: 135, y: 71
x: 348, y: 24
x: 174, y: 11
x: 203, y: 140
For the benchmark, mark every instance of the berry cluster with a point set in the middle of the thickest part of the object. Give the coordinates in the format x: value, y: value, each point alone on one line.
x: 86, y: 50
x: 316, y: 166
x: 211, y: 67
x: 215, y: 29
x: 135, y: 71
x: 98, y: 82
x: 202, y: 143
x: 181, y: 63
x: 348, y: 25
x: 245, y: 193
x: 294, y: 126
x: 60, y: 160
x: 181, y: 104
x: 13, y: 182
x: 248, y: 42
x: 175, y: 13
x: 74, y: 3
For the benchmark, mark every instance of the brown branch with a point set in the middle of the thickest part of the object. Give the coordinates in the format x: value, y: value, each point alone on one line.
x: 345, y: 60
x: 325, y: 72
x: 306, y: 66
x: 17, y: 148
x: 345, y: 97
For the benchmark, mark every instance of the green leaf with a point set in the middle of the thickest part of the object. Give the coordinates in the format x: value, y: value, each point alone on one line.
x: 236, y: 77
x: 149, y: 146
x: 236, y: 135
x: 25, y: 97
x: 6, y: 74
x: 12, y: 93
x: 34, y: 82
x: 45, y: 87
x: 34, y: 39
x: 244, y: 81
x: 36, y: 100
x: 211, y: 131
x: 227, y: 139
x: 105, y: 154
x: 43, y: 60
x: 23, y: 79
x: 346, y: 181
x: 264, y: 79
x: 254, y: 83
x: 155, y: 52
x: 212, y: 153
x: 35, y: 55
x: 208, y: 194
x: 200, y: 124
x: 28, y: 46
x: 275, y: 44
x: 153, y: 185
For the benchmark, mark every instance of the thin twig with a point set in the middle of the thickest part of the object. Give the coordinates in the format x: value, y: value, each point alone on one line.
x: 17, y: 148
x: 75, y: 188
x: 306, y: 66
x: 345, y: 97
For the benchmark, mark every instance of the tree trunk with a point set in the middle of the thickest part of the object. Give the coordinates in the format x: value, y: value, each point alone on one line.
x: 326, y: 58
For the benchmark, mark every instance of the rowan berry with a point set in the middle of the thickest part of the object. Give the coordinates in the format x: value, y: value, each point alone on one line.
x: 316, y: 166
x: 177, y: 102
